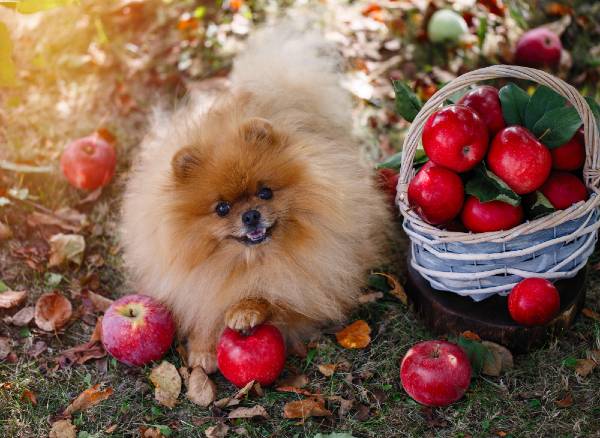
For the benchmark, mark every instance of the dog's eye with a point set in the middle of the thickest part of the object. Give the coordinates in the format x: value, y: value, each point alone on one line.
x: 222, y: 208
x: 265, y: 193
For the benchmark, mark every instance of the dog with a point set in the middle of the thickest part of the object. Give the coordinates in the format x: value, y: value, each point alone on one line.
x: 257, y: 207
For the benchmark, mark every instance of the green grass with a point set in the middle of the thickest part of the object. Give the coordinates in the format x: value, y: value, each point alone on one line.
x: 520, y: 403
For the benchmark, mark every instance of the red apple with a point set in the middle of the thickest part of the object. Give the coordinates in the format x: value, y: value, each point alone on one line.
x: 455, y: 137
x: 436, y: 194
x: 519, y: 159
x: 564, y: 189
x: 480, y: 217
x: 388, y: 180
x: 137, y: 329
x: 435, y: 373
x: 534, y: 301
x: 89, y: 162
x: 485, y: 102
x: 569, y: 156
x: 258, y: 355
x: 538, y: 48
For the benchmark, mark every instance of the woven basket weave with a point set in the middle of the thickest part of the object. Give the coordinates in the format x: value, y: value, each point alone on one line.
x: 482, y: 264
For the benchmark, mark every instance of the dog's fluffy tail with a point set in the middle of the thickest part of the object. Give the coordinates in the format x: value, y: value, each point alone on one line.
x: 289, y: 63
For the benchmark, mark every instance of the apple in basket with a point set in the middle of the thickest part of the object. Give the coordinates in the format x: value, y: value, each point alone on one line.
x: 571, y: 155
x: 484, y: 100
x: 137, y: 329
x: 519, y: 159
x: 481, y: 217
x: 436, y: 194
x: 533, y: 301
x: 435, y: 373
x: 455, y: 137
x: 564, y: 189
x: 256, y: 355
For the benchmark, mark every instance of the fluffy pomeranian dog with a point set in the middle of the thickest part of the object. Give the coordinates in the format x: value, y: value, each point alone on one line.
x: 256, y: 208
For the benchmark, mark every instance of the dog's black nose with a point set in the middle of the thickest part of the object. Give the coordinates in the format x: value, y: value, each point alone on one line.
x: 251, y: 218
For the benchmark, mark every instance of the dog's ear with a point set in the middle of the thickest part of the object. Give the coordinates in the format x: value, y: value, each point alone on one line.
x: 257, y: 130
x: 185, y: 162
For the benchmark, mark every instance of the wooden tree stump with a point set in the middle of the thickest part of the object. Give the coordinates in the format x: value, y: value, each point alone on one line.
x: 448, y: 313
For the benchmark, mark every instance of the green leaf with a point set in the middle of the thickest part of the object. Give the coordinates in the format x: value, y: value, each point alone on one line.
x: 334, y: 435
x: 541, y: 206
x: 487, y: 186
x: 32, y: 6
x: 8, y: 72
x: 570, y: 362
x: 543, y: 100
x: 52, y: 279
x: 4, y: 287
x: 482, y: 31
x: 164, y: 430
x: 557, y: 127
x: 378, y: 282
x: 24, y: 332
x: 408, y: 103
x: 395, y: 161
x: 477, y: 352
x: 514, y: 102
x: 595, y: 107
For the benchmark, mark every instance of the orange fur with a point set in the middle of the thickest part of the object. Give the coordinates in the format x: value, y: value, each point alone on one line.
x: 330, y: 219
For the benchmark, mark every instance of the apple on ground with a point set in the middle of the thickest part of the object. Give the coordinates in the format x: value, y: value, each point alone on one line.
x: 533, y: 301
x: 446, y: 25
x: 88, y: 163
x: 538, y: 47
x: 571, y: 155
x: 485, y: 102
x: 481, y: 217
x: 436, y: 194
x: 257, y: 355
x: 519, y: 159
x: 137, y: 329
x: 563, y: 189
x: 388, y: 181
x: 455, y: 137
x: 435, y: 373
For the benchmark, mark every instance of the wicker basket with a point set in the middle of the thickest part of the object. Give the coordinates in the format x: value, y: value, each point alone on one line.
x: 479, y: 265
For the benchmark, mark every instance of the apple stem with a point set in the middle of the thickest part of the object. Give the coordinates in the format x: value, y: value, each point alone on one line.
x: 131, y: 313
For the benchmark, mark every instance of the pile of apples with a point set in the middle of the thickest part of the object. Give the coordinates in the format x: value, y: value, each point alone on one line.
x: 481, y: 172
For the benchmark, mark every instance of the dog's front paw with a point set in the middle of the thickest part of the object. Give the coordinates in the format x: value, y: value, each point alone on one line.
x: 247, y: 314
x: 203, y: 359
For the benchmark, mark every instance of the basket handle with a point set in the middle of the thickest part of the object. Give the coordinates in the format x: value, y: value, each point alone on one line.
x: 592, y: 161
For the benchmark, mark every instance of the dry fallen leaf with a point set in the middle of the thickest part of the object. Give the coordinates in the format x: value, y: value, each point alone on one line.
x: 37, y: 348
x: 88, y: 398
x: 356, y: 335
x: 167, y: 382
x: 66, y: 247
x: 591, y: 313
x: 501, y: 359
x: 583, y: 367
x: 23, y: 317
x: 52, y: 311
x: 11, y: 298
x: 29, y: 396
x: 5, y: 347
x: 566, y: 401
x: 218, y: 431
x: 397, y: 288
x: 100, y: 302
x: 66, y: 219
x: 310, y: 407
x: 294, y: 390
x: 63, y: 429
x: 150, y: 432
x: 472, y: 336
x: 327, y: 369
x: 296, y: 380
x: 254, y: 411
x: 5, y: 232
x: 595, y: 356
x: 201, y: 390
x: 370, y: 297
